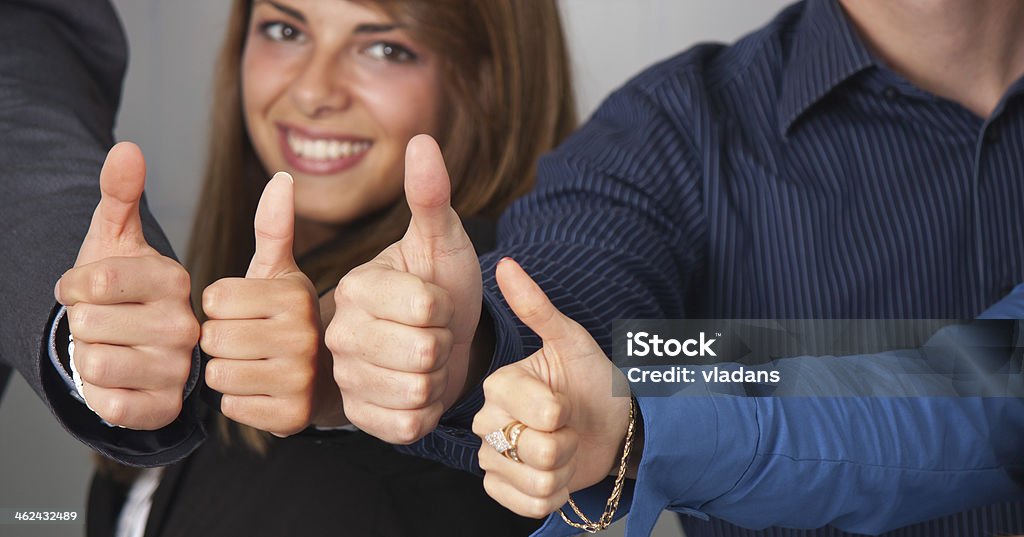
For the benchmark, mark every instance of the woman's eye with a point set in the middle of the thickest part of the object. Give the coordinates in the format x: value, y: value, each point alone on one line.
x: 391, y: 52
x: 280, y: 31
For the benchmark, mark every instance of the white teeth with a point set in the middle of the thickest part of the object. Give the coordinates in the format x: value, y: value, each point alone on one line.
x: 324, y: 149
x: 320, y: 149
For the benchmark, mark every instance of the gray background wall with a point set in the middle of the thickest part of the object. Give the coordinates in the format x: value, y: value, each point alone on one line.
x: 167, y: 95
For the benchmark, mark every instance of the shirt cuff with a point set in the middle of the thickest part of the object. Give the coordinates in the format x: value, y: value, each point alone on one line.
x: 685, y: 466
x: 681, y: 467
x: 136, y: 448
x: 56, y: 358
x: 1010, y: 307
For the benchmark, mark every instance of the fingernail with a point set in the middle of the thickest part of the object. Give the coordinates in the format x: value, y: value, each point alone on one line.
x: 285, y: 175
x: 506, y: 258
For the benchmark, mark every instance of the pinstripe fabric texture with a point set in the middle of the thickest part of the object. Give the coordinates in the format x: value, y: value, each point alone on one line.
x: 790, y: 175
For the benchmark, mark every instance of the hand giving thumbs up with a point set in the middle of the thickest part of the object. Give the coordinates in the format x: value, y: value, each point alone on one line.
x: 572, y: 429
x: 263, y: 332
x: 128, y: 308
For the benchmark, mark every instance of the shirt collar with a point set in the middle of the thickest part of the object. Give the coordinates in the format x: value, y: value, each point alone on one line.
x: 825, y: 52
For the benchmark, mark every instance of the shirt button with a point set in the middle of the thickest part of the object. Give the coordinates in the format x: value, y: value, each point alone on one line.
x: 890, y: 93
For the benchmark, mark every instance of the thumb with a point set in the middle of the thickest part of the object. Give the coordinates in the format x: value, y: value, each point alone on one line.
x: 275, y: 229
x: 116, y: 220
x: 428, y: 190
x: 530, y: 304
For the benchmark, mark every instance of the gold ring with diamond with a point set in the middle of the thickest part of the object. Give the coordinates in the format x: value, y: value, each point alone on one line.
x: 506, y: 440
x: 512, y: 432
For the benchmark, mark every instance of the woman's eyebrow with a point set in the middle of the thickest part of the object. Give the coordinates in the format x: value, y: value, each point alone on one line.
x: 285, y: 9
x: 368, y: 28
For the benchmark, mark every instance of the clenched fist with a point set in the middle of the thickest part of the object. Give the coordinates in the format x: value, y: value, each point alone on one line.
x: 128, y: 308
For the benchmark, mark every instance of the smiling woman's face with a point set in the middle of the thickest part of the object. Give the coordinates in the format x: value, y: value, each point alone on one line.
x: 332, y: 92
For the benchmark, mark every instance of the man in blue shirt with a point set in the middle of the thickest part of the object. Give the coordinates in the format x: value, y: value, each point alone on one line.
x: 852, y: 159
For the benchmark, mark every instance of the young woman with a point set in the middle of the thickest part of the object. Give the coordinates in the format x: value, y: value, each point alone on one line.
x: 332, y: 91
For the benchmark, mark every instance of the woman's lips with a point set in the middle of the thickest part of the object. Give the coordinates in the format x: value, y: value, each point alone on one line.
x: 308, y: 153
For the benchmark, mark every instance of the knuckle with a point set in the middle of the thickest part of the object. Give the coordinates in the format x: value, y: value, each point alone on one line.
x: 478, y: 425
x: 82, y: 318
x: 427, y: 353
x: 418, y: 390
x: 113, y: 408
x: 346, y: 290
x: 180, y: 281
x: 76, y: 318
x: 493, y: 383
x: 543, y: 484
x: 538, y: 507
x: 101, y: 282
x: 91, y: 366
x: 294, y: 417
x: 211, y: 337
x: 551, y: 416
x: 213, y: 296
x: 546, y: 453
x: 182, y: 329
x: 230, y: 408
x: 337, y: 339
x: 167, y: 409
x: 482, y: 458
x: 218, y: 376
x: 407, y: 428
x: 424, y: 306
x: 332, y: 338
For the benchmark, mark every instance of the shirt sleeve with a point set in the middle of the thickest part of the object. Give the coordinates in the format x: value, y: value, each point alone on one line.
x: 615, y: 229
x: 60, y: 85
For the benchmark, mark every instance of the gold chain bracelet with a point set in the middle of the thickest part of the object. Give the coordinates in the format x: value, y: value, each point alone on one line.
x: 612, y: 505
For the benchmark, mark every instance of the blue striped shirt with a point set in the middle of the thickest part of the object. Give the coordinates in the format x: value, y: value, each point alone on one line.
x: 790, y: 175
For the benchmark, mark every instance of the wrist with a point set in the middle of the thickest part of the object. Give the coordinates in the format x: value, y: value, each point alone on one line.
x: 633, y: 464
x: 636, y: 443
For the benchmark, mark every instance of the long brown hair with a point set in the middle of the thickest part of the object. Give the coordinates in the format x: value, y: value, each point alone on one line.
x: 508, y: 99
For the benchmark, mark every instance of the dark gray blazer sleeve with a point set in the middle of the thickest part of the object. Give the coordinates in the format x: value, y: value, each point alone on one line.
x: 61, y: 67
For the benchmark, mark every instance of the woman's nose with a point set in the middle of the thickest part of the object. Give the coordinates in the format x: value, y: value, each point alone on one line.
x: 320, y: 88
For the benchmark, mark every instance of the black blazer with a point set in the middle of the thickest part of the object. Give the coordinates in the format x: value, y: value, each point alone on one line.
x: 61, y: 69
